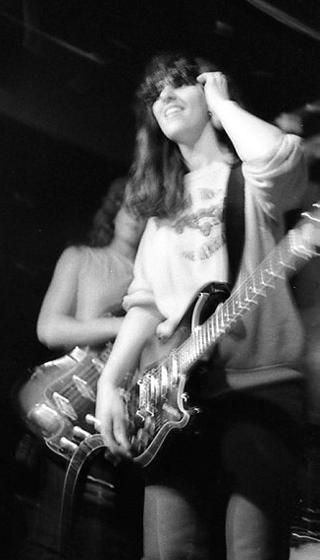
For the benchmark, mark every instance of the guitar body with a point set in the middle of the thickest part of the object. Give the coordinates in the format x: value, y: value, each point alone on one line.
x: 156, y: 400
x: 55, y: 401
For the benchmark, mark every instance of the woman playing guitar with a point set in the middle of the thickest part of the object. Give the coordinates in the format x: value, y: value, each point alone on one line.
x: 241, y: 453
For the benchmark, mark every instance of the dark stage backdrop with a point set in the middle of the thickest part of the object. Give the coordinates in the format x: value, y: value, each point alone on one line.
x: 68, y: 70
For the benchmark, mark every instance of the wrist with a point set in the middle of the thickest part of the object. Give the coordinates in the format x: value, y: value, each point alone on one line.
x: 116, y: 324
x: 222, y: 105
x: 107, y: 383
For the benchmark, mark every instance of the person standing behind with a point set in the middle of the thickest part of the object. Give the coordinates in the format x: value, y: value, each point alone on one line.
x: 190, y: 133
x: 83, y: 307
x: 83, y: 303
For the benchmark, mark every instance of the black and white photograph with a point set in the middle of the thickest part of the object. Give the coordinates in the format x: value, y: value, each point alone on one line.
x: 160, y: 243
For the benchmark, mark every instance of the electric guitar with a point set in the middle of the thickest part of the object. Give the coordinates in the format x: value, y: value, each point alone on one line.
x: 156, y: 400
x: 57, y: 403
x: 155, y: 397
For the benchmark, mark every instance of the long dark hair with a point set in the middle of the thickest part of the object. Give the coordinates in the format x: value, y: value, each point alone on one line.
x: 155, y: 186
x: 102, y: 229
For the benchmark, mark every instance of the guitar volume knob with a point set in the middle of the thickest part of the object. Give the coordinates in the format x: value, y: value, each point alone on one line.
x: 80, y: 433
x: 93, y: 421
x: 68, y: 445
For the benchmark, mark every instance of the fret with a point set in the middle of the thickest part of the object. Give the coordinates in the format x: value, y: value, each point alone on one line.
x: 210, y: 329
x: 284, y: 263
x: 243, y: 300
x: 212, y: 332
x: 203, y: 339
x: 216, y: 323
x: 289, y: 266
x: 251, y: 294
x: 280, y: 272
x: 257, y: 288
x: 206, y: 335
x: 197, y: 341
x: 221, y: 319
x: 234, y: 310
x: 270, y: 269
x: 266, y: 282
x: 226, y: 311
x: 236, y: 305
x: 298, y: 246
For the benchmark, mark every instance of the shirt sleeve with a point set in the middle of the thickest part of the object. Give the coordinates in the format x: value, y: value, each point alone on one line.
x: 280, y: 178
x: 140, y: 292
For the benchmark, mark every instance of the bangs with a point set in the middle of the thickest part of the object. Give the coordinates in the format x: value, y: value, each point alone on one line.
x: 165, y: 70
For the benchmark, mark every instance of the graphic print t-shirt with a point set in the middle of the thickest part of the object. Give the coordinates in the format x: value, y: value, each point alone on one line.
x: 192, y: 247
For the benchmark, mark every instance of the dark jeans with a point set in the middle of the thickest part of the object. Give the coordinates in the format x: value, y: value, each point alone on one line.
x: 107, y: 520
x: 226, y: 487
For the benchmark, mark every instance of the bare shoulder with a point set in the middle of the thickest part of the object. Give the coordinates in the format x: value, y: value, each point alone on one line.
x: 70, y: 258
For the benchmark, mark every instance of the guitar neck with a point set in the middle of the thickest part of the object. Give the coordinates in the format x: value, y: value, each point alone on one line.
x: 287, y: 257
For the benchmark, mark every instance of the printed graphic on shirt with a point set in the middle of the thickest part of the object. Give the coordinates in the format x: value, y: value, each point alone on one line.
x: 206, y: 250
x: 203, y: 220
x: 206, y: 221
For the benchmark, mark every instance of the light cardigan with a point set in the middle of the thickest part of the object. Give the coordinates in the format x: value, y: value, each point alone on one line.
x: 176, y: 258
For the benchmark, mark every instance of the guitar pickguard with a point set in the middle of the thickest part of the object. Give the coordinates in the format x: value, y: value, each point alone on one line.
x: 157, y: 402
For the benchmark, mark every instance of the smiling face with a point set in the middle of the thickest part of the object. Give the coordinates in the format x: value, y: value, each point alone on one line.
x: 181, y: 112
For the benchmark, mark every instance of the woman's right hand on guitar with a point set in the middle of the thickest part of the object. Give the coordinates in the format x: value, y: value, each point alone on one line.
x: 111, y: 412
x: 112, y: 418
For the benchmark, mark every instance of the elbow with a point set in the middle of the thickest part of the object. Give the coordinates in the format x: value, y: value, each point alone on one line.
x: 47, y: 335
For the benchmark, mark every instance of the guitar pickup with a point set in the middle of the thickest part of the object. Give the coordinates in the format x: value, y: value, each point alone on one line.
x: 84, y: 388
x: 64, y: 406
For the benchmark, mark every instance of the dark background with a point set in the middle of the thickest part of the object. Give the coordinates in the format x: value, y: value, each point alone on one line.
x: 68, y: 70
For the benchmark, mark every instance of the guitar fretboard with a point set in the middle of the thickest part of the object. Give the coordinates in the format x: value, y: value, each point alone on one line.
x: 287, y: 257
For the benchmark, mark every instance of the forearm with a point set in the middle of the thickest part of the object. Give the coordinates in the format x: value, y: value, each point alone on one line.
x: 62, y: 331
x: 252, y: 137
x: 139, y: 324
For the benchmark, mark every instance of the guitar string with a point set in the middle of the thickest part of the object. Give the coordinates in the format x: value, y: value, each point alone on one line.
x: 209, y: 333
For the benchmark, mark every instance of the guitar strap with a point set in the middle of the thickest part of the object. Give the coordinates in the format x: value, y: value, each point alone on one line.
x: 234, y: 219
x: 76, y: 469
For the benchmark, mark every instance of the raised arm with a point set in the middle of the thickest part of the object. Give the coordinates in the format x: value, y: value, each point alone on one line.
x: 57, y: 325
x: 252, y: 137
